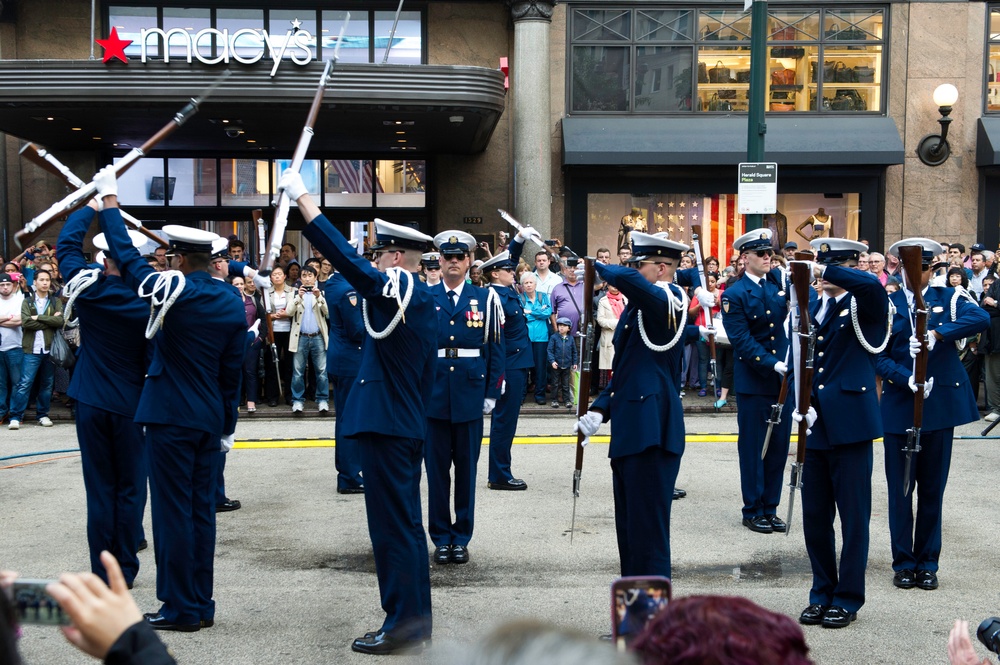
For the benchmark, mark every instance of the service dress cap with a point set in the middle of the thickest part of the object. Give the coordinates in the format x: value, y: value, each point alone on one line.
x: 220, y: 248
x: 397, y: 235
x: 186, y: 239
x: 928, y: 248
x: 501, y: 260
x: 454, y: 242
x: 754, y: 240
x: 645, y: 246
x: 101, y: 242
x: 832, y: 251
x: 431, y: 261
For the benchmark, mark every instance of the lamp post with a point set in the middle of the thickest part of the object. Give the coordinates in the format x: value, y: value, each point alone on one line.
x: 933, y: 149
x: 756, y: 128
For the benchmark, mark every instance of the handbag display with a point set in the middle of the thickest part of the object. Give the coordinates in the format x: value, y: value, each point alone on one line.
x: 727, y: 94
x: 835, y: 33
x: 702, y: 72
x: 717, y: 104
x: 783, y: 77
x: 848, y: 99
x: 992, y: 75
x: 782, y: 106
x: 743, y: 76
x: 787, y: 52
x: 719, y: 74
x: 824, y: 105
x: 842, y: 73
x: 786, y: 34
x: 828, y: 68
x: 864, y: 74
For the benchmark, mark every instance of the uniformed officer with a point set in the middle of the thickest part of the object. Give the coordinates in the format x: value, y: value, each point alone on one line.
x: 431, y: 264
x: 386, y: 410
x: 643, y: 403
x: 754, y: 311
x: 499, y: 271
x: 106, y: 383
x: 188, y: 405
x: 219, y: 267
x: 467, y: 384
x: 952, y: 316
x: 850, y: 321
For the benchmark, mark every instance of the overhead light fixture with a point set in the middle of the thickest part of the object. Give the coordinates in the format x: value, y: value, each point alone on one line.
x: 933, y: 149
x: 77, y: 129
x: 405, y: 123
x: 457, y: 119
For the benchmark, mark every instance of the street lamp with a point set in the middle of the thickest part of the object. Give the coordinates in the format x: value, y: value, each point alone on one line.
x: 933, y: 149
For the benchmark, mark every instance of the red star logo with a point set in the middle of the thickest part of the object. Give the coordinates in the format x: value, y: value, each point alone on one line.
x: 114, y: 46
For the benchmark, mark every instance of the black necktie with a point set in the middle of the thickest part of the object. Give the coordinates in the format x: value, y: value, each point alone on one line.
x: 452, y: 298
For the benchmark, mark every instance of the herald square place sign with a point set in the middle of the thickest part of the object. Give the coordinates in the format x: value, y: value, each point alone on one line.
x: 246, y: 45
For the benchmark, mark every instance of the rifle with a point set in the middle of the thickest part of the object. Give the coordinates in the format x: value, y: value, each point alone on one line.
x: 583, y: 392
x: 537, y: 238
x: 79, y: 198
x: 43, y: 158
x: 803, y: 353
x: 703, y: 274
x: 911, y: 258
x: 282, y: 203
x: 258, y: 219
x: 775, y: 417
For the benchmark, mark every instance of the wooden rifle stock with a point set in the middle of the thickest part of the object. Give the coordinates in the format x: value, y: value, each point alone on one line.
x: 703, y: 275
x: 801, y: 280
x: 586, y: 376
x: 79, y: 198
x: 912, y: 260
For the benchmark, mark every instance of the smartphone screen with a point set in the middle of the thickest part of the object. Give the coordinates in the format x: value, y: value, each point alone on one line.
x: 33, y: 605
x: 635, y: 601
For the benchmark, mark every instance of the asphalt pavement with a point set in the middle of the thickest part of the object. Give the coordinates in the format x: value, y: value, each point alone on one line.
x: 294, y: 574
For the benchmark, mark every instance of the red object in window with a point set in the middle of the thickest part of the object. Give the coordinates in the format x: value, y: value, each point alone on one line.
x: 505, y: 68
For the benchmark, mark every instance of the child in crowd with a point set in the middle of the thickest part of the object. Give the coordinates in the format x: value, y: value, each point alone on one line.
x: 563, y: 356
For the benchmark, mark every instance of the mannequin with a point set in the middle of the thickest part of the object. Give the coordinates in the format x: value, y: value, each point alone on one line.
x: 820, y: 225
x: 634, y: 221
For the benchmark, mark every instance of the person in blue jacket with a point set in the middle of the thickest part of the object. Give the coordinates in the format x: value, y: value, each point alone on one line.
x: 386, y: 411
x: 850, y: 323
x: 467, y: 383
x: 188, y: 405
x: 106, y: 383
x: 499, y: 273
x: 643, y: 403
x: 948, y: 402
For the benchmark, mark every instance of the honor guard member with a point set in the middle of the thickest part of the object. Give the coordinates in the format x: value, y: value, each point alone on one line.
x: 643, y: 402
x: 754, y: 311
x: 343, y: 358
x: 431, y: 263
x: 386, y: 411
x: 499, y: 271
x: 106, y: 383
x: 467, y: 384
x: 952, y: 316
x: 188, y: 405
x: 849, y: 320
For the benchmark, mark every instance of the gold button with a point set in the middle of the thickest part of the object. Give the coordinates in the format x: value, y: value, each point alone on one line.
x: 821, y: 387
x: 612, y: 394
x: 771, y: 325
x: 768, y: 312
x: 864, y: 388
x: 820, y: 338
x: 362, y: 381
x: 772, y: 338
x: 452, y: 338
x: 452, y: 368
x: 452, y: 322
x: 820, y: 370
x: 772, y: 350
x: 757, y: 358
x: 820, y: 354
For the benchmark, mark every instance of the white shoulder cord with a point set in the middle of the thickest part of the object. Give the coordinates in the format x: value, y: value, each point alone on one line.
x: 391, y: 290
x: 960, y: 292
x: 494, y: 309
x: 861, y: 337
x: 674, y: 304
x: 162, y: 292
x: 81, y: 282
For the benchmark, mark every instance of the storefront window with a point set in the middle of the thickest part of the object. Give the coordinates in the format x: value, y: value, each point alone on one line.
x: 405, y: 48
x: 191, y: 21
x: 240, y: 22
x: 993, y: 62
x: 244, y: 181
x: 285, y: 24
x: 129, y: 21
x: 348, y: 182
x: 356, y: 45
x: 400, y: 183
x: 143, y: 184
x: 821, y: 60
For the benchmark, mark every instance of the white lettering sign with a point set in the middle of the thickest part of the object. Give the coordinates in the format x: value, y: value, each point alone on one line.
x: 246, y: 46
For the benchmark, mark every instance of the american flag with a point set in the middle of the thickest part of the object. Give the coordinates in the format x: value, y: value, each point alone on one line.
x: 356, y: 175
x: 715, y: 213
x: 723, y: 226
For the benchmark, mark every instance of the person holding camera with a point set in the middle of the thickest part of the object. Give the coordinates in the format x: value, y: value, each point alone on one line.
x: 308, y: 341
x: 41, y: 318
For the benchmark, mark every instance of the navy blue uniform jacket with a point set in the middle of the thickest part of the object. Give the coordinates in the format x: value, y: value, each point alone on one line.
x: 517, y: 346
x: 754, y: 317
x: 347, y: 328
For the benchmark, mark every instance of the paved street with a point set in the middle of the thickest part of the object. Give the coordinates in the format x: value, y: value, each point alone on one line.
x: 295, y: 577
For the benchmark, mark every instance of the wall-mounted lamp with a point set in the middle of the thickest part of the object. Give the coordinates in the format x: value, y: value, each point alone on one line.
x: 934, y: 149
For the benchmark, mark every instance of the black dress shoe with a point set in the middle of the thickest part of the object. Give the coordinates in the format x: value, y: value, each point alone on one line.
x: 381, y: 644
x: 812, y: 615
x: 777, y: 524
x: 758, y: 524
x: 272, y: 402
x: 351, y: 490
x: 142, y: 545
x: 442, y: 555
x: 157, y: 622
x: 927, y: 580
x: 228, y: 505
x: 905, y: 579
x: 459, y: 554
x: 838, y: 617
x: 207, y: 623
x: 679, y: 493
x: 513, y: 485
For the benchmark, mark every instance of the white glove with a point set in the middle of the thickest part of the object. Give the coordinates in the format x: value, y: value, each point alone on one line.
x: 503, y: 387
x: 817, y: 269
x: 227, y: 442
x: 706, y: 331
x: 928, y: 385
x: 931, y: 341
x: 261, y: 282
x: 780, y: 367
x: 810, y: 418
x: 705, y: 297
x: 291, y: 183
x: 579, y: 273
x: 915, y: 344
x: 588, y: 424
x: 528, y: 233
x: 255, y: 329
x: 106, y: 182
x: 488, y: 405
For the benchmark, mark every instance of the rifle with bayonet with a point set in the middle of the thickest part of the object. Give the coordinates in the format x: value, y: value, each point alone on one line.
x: 41, y: 157
x: 709, y: 320
x: 775, y: 418
x: 535, y: 237
x: 258, y: 218
x: 804, y: 345
x: 911, y: 256
x: 586, y: 372
x: 79, y: 198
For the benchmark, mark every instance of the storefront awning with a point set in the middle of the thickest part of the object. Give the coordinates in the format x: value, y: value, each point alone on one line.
x: 721, y: 140
x: 86, y: 105
x: 988, y: 142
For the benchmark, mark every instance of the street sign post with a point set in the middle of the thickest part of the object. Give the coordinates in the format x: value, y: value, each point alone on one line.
x: 758, y: 188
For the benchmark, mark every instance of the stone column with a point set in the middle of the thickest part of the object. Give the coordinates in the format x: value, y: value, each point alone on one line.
x: 532, y: 134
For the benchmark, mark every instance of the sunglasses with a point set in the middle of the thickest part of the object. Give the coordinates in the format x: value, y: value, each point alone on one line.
x: 761, y: 253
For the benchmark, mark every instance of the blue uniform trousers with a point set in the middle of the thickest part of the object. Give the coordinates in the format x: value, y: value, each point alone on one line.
x: 838, y: 479
x: 919, y: 548
x: 115, y: 468
x: 347, y: 457
x: 644, y: 491
x: 540, y: 354
x: 504, y: 425
x: 448, y: 443
x: 183, y: 467
x: 761, y: 479
x: 220, y: 479
x: 391, y: 468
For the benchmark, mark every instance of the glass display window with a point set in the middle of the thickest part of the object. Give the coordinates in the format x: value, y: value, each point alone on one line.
x: 400, y: 183
x: 992, y: 87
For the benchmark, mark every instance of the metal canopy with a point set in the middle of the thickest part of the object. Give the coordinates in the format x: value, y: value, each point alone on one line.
x: 722, y: 140
x: 988, y: 142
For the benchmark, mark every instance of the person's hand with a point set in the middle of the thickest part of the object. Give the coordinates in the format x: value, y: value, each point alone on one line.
x: 34, y: 317
x: 780, y: 367
x: 100, y: 614
x: 932, y: 339
x: 928, y: 385
x: 554, y: 365
x: 705, y: 297
x: 282, y: 314
x: 960, y: 651
x: 261, y: 281
x: 574, y: 368
x: 588, y: 424
x: 291, y: 183
x: 302, y: 291
x: 488, y: 405
x: 255, y: 329
x: 528, y: 232
x: 227, y: 442
x: 815, y: 269
x: 706, y: 331
x: 915, y: 344
x: 810, y: 418
x: 7, y: 578
x: 106, y: 181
